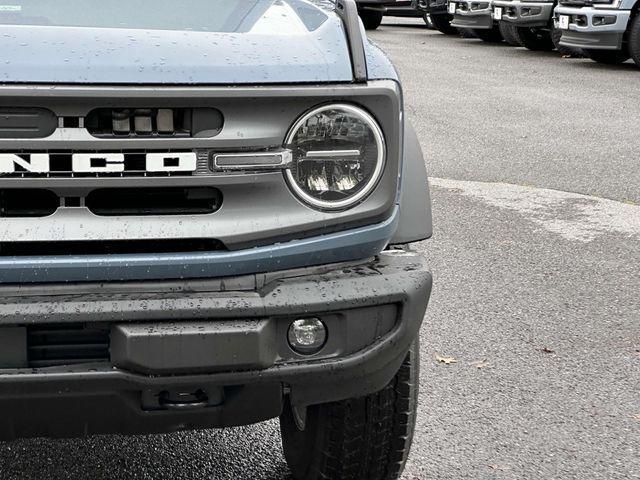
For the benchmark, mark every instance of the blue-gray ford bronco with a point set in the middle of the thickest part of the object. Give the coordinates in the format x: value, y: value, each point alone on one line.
x: 205, y: 213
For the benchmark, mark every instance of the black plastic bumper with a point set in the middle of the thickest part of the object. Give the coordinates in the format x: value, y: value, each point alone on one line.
x: 592, y: 40
x: 474, y: 22
x: 373, y: 312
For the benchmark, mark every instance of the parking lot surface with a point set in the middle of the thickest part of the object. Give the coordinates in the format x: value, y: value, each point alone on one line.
x: 536, y: 259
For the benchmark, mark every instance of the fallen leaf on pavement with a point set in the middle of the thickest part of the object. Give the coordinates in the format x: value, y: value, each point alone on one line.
x: 445, y: 360
x: 480, y: 364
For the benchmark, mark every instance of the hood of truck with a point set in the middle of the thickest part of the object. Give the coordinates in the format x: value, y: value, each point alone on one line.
x: 259, y: 42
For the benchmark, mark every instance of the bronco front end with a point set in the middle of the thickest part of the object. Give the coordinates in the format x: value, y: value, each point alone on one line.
x: 205, y: 213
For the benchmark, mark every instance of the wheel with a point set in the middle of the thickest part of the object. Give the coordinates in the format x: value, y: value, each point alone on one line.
x: 609, y: 57
x: 466, y: 33
x: 365, y: 438
x: 427, y: 20
x: 634, y: 40
x: 556, y: 34
x: 442, y: 23
x: 491, y: 35
x: 535, y: 38
x: 508, y: 32
x: 371, y: 19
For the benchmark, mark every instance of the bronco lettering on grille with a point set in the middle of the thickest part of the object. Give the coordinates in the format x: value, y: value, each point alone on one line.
x: 97, y: 162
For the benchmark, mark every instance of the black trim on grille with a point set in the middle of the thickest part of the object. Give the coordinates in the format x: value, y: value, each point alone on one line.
x: 28, y: 202
x: 27, y: 122
x: 154, y: 122
x: 154, y: 201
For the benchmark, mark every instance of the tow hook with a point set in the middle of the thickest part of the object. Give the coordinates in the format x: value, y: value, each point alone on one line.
x: 183, y: 400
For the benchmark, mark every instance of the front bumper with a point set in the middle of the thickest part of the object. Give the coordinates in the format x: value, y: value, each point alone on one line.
x: 220, y: 343
x: 529, y: 14
x: 472, y: 14
x: 586, y: 32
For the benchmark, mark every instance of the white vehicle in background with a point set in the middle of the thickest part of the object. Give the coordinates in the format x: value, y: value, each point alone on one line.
x: 533, y: 24
x: 476, y: 16
x: 608, y: 31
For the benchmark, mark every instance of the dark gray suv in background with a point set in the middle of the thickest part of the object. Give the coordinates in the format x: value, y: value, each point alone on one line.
x: 205, y: 214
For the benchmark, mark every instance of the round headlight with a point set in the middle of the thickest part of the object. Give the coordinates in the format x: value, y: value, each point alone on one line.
x: 338, y: 156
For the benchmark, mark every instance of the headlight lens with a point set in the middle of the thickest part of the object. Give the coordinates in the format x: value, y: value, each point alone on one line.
x: 338, y: 156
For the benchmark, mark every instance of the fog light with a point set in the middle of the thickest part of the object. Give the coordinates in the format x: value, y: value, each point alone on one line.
x: 307, y: 335
x: 603, y: 20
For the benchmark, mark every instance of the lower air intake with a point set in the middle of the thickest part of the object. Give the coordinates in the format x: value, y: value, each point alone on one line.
x: 56, y: 345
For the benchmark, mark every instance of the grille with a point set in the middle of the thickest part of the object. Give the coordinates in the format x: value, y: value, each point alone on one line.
x: 55, y: 345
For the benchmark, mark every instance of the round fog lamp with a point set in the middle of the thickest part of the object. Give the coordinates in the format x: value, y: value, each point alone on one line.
x: 307, y: 335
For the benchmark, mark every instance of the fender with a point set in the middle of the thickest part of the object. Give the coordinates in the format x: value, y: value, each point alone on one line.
x: 415, y: 200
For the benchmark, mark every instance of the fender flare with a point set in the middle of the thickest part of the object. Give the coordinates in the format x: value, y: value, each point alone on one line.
x: 415, y: 201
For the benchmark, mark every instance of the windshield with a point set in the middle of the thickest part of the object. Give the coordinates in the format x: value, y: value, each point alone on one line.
x: 192, y: 15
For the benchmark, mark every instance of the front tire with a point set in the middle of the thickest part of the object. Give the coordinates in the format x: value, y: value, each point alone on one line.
x: 536, y: 39
x: 371, y: 19
x: 608, y: 57
x: 442, y: 23
x: 508, y: 32
x: 634, y: 40
x: 366, y: 438
x: 466, y: 33
x: 426, y: 18
x: 491, y: 35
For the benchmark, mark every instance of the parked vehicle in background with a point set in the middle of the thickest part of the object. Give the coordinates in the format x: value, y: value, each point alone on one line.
x: 532, y: 23
x: 217, y: 242
x: 371, y: 12
x: 436, y: 11
x: 477, y: 16
x: 405, y: 8
x: 607, y: 31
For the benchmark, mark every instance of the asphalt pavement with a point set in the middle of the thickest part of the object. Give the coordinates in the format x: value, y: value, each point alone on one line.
x: 536, y: 304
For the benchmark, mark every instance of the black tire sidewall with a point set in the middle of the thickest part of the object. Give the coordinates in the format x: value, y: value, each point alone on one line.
x: 442, y: 23
x: 535, y: 39
x: 508, y: 32
x: 389, y: 414
x: 634, y: 40
x: 490, y: 35
x: 607, y: 57
x: 371, y: 19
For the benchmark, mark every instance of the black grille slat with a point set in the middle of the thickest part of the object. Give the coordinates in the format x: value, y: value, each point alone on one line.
x: 49, y: 346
